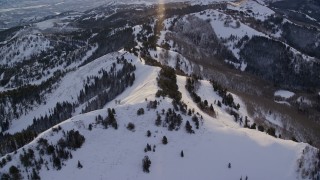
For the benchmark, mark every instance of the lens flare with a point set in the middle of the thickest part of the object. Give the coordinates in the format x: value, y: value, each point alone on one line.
x: 161, y: 9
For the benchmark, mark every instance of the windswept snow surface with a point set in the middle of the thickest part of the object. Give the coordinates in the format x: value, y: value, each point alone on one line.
x: 284, y: 94
x: 172, y: 59
x: 118, y: 154
x: 258, y: 9
x: 205, y: 91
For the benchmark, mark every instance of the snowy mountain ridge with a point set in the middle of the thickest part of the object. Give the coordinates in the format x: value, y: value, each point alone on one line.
x: 199, y: 90
x: 107, y: 153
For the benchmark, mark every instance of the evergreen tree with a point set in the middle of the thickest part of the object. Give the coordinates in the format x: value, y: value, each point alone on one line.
x: 5, y: 176
x: 148, y: 133
x: 158, y: 121
x: 196, y: 121
x: 130, y: 126
x: 79, y: 165
x: 189, y: 128
x: 238, y: 106
x: 229, y: 165
x: 140, y: 111
x: 182, y: 154
x: 146, y: 163
x: 15, y: 173
x: 164, y: 140
x: 74, y: 139
x: 56, y: 162
x: 211, y: 107
x: 50, y: 149
x: 219, y: 104
x: 246, y: 125
x: 271, y: 131
x: 205, y: 103
x: 8, y: 158
x: 34, y: 175
x: 253, y: 126
x: 261, y: 128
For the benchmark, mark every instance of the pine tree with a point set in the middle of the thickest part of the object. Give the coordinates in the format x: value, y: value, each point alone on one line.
x: 140, y: 111
x: 261, y: 128
x: 246, y: 122
x: 253, y: 126
x: 56, y: 162
x: 219, y: 104
x: 34, y: 175
x: 271, y: 131
x: 196, y: 121
x: 238, y: 106
x: 158, y: 121
x: 146, y: 163
x: 164, y: 140
x: 189, y: 128
x: 189, y: 112
x: 8, y: 158
x: 182, y: 154
x: 130, y: 126
x: 229, y: 165
x: 79, y: 165
x: 211, y: 108
x: 205, y: 103
x: 15, y: 173
x: 148, y: 133
x: 5, y: 176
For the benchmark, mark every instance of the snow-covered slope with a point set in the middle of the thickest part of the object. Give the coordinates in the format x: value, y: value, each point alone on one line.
x: 257, y: 9
x: 221, y: 148
x: 67, y: 90
x: 118, y: 154
x: 23, y: 49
